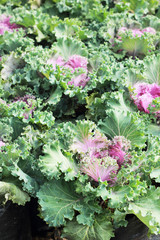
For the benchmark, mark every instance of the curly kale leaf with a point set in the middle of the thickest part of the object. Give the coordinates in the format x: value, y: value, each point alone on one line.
x: 101, y: 229
x: 147, y: 209
x: 10, y: 65
x: 29, y: 184
x: 119, y: 123
x: 53, y: 162
x: 68, y: 47
x: 152, y: 69
x: 6, y: 131
x: 72, y: 27
x: 11, y: 41
x: 9, y: 191
x: 58, y: 201
x: 155, y: 174
x: 139, y: 7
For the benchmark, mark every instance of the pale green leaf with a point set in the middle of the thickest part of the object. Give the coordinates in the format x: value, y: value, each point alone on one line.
x: 63, y: 30
x: 9, y: 191
x: 84, y: 129
x: 118, y: 196
x: 154, y: 130
x: 55, y: 96
x: 120, y: 123
x: 5, y: 131
x: 135, y: 46
x: 10, y: 65
x: 29, y: 184
x: 54, y: 162
x: 156, y: 174
x: 147, y: 209
x: 152, y: 70
x: 120, y: 101
x: 66, y: 47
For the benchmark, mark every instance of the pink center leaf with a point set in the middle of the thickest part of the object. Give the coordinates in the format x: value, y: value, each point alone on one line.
x: 100, y: 170
x: 74, y: 63
x: 149, y: 30
x: 118, y: 149
x: 56, y: 61
x: 136, y: 32
x: 144, y: 94
x: 99, y: 157
x: 5, y: 25
x: 94, y: 146
x: 2, y: 144
x: 77, y: 61
x: 79, y: 80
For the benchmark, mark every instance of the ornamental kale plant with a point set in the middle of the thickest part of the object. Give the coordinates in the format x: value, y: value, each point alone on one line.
x: 136, y: 41
x: 79, y: 113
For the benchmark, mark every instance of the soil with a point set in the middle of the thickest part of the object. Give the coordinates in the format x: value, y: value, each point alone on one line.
x: 50, y: 235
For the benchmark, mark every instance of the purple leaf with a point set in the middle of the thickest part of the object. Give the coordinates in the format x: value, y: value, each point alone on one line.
x: 2, y: 144
x: 143, y: 95
x: 5, y: 24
